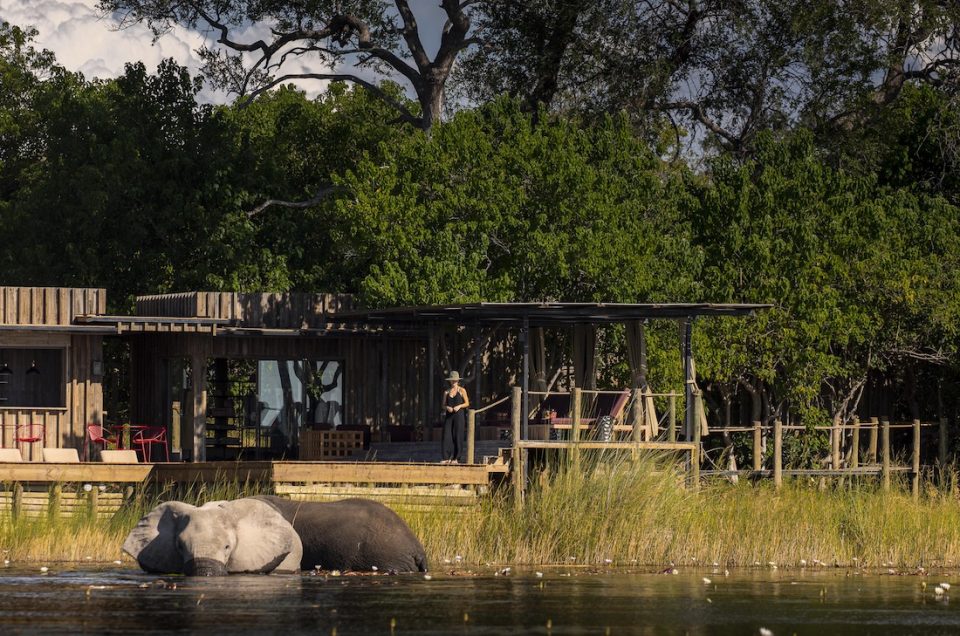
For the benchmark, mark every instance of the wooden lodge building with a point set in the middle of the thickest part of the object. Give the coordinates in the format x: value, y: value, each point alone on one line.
x: 276, y: 370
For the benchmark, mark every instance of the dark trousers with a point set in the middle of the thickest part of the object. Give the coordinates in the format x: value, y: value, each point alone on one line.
x: 454, y: 425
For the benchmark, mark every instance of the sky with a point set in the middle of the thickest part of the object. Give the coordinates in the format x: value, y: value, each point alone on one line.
x: 85, y: 41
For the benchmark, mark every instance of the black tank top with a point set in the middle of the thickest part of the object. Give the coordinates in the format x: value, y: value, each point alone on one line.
x: 456, y: 400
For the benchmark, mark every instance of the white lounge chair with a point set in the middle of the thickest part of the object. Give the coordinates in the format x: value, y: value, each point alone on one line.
x: 119, y: 457
x: 61, y: 456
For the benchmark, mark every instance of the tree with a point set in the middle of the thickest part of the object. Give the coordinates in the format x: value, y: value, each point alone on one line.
x: 495, y: 207
x: 728, y: 69
x: 321, y: 35
x: 862, y: 278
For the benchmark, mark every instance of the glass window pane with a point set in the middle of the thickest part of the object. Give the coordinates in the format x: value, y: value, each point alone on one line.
x: 32, y: 378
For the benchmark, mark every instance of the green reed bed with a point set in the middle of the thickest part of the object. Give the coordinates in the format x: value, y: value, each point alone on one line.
x: 608, y: 509
x: 614, y: 510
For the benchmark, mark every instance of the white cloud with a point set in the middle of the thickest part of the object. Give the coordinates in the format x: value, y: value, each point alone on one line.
x: 87, y: 42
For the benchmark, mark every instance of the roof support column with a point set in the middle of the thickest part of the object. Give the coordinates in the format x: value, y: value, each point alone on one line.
x: 198, y: 366
x: 525, y: 398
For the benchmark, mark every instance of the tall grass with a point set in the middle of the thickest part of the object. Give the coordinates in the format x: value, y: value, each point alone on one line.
x: 608, y: 508
x: 612, y: 509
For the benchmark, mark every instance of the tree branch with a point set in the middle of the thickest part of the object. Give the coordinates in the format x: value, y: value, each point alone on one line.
x: 323, y: 194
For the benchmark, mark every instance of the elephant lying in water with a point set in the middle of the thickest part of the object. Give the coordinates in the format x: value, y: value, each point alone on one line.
x: 271, y: 534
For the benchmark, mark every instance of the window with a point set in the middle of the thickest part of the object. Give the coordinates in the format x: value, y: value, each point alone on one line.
x: 32, y: 378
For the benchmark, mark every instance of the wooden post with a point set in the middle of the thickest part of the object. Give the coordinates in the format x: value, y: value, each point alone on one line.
x: 576, y: 401
x: 943, y: 448
x: 855, y: 450
x: 885, y: 453
x: 516, y: 468
x: 695, y: 452
x: 915, y: 468
x: 872, y: 442
x: 94, y: 500
x: 16, y: 508
x: 471, y: 435
x: 53, y: 500
x: 835, y: 437
x: 757, y: 442
x: 639, y: 421
x: 198, y: 365
x: 777, y: 453
x: 672, y: 419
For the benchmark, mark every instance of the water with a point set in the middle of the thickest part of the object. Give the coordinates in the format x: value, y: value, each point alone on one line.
x: 95, y: 601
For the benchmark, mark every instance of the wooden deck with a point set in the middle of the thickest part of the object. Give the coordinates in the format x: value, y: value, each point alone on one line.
x: 34, y: 489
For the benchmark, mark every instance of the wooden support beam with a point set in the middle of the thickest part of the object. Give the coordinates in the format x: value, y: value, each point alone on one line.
x: 695, y: 452
x: 757, y: 446
x: 885, y: 453
x: 576, y: 403
x: 915, y: 468
x: 198, y: 363
x: 855, y: 450
x: 836, y: 435
x: 516, y: 460
x: 471, y: 435
x: 672, y: 418
x: 639, y: 421
x: 872, y: 440
x: 777, y: 453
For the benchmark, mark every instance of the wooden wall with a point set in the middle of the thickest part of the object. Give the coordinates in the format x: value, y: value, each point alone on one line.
x: 270, y: 310
x: 64, y: 427
x: 48, y: 305
x: 385, y: 379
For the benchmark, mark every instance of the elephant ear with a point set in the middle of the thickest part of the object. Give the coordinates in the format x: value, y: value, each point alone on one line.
x: 266, y: 542
x: 153, y: 541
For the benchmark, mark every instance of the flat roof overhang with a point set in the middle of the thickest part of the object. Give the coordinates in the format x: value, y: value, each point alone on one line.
x: 542, y: 314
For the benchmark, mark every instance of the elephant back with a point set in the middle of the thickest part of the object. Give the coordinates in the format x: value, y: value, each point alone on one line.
x: 352, y: 534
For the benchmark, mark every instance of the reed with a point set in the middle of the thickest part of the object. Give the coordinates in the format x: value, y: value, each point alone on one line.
x: 609, y: 510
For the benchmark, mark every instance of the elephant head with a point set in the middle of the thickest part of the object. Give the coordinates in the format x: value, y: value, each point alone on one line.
x: 220, y: 537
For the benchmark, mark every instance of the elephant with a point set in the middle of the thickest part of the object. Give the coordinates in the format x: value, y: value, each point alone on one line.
x: 352, y: 534
x: 220, y: 537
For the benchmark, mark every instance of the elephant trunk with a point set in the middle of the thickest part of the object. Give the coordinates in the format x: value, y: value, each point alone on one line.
x: 204, y: 567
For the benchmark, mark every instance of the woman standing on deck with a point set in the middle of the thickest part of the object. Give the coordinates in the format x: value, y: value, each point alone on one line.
x: 455, y: 400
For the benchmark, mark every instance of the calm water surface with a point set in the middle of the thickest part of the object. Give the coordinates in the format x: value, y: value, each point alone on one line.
x: 96, y: 600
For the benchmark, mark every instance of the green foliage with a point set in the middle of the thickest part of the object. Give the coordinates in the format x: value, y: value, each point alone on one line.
x: 494, y: 207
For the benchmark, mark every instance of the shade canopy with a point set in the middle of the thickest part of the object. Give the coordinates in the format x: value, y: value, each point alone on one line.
x: 542, y: 314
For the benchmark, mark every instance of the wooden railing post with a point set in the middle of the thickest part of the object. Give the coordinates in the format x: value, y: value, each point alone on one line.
x: 471, y: 436
x: 639, y: 421
x: 855, y: 451
x: 16, y: 508
x: 695, y: 452
x: 94, y: 500
x: 835, y: 437
x: 885, y: 453
x: 576, y: 400
x: 915, y: 467
x: 55, y: 495
x: 757, y: 445
x: 943, y: 448
x: 516, y: 461
x: 672, y: 419
x: 777, y: 453
x: 872, y: 442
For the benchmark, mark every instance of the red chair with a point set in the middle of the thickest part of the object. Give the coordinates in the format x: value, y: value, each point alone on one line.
x: 29, y: 433
x: 149, y: 436
x: 96, y: 434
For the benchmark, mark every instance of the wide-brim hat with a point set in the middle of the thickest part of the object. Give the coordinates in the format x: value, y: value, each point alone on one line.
x: 453, y: 377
